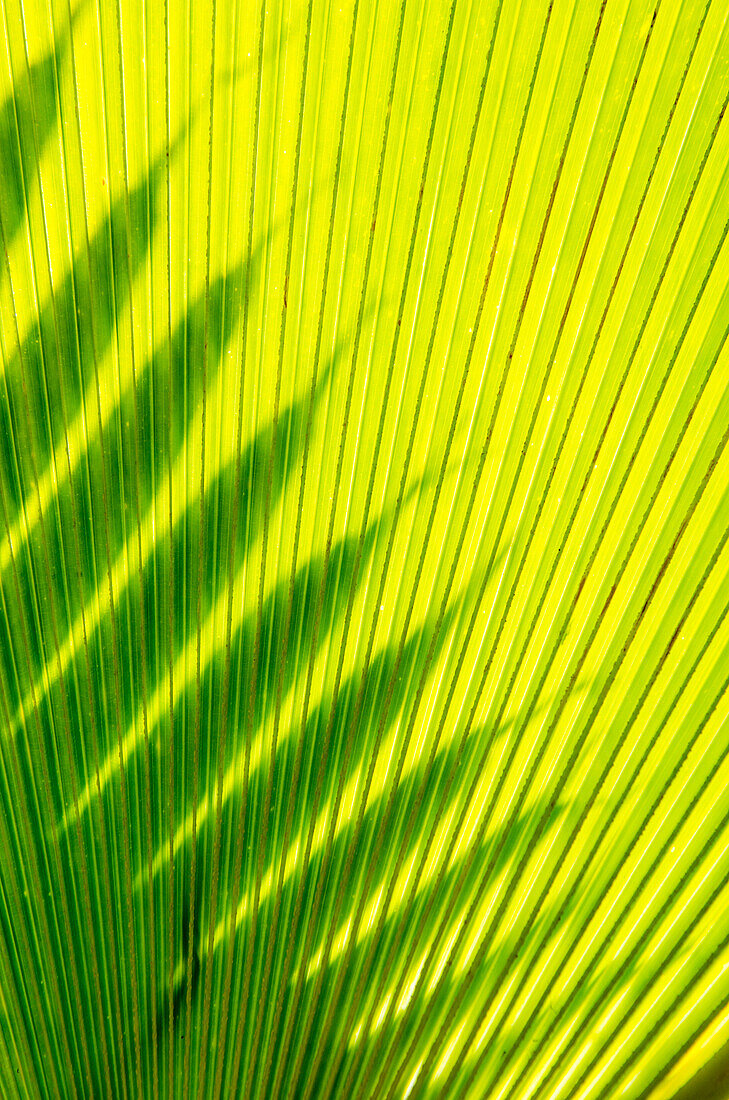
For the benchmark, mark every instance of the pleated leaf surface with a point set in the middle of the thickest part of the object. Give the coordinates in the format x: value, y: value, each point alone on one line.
x: 364, y: 503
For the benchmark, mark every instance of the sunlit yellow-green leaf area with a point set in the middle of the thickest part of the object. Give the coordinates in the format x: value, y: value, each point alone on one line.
x: 364, y: 509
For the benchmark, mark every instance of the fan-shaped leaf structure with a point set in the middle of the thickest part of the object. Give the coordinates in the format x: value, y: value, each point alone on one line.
x: 364, y: 502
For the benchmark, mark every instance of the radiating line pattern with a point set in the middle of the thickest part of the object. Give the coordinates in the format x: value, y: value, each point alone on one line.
x: 364, y: 493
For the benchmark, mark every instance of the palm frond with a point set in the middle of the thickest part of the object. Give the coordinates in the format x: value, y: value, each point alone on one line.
x: 364, y: 498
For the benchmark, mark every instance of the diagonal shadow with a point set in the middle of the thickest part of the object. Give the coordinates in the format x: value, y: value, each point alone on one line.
x: 28, y: 121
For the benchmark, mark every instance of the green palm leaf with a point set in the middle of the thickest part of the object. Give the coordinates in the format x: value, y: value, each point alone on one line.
x: 364, y: 502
